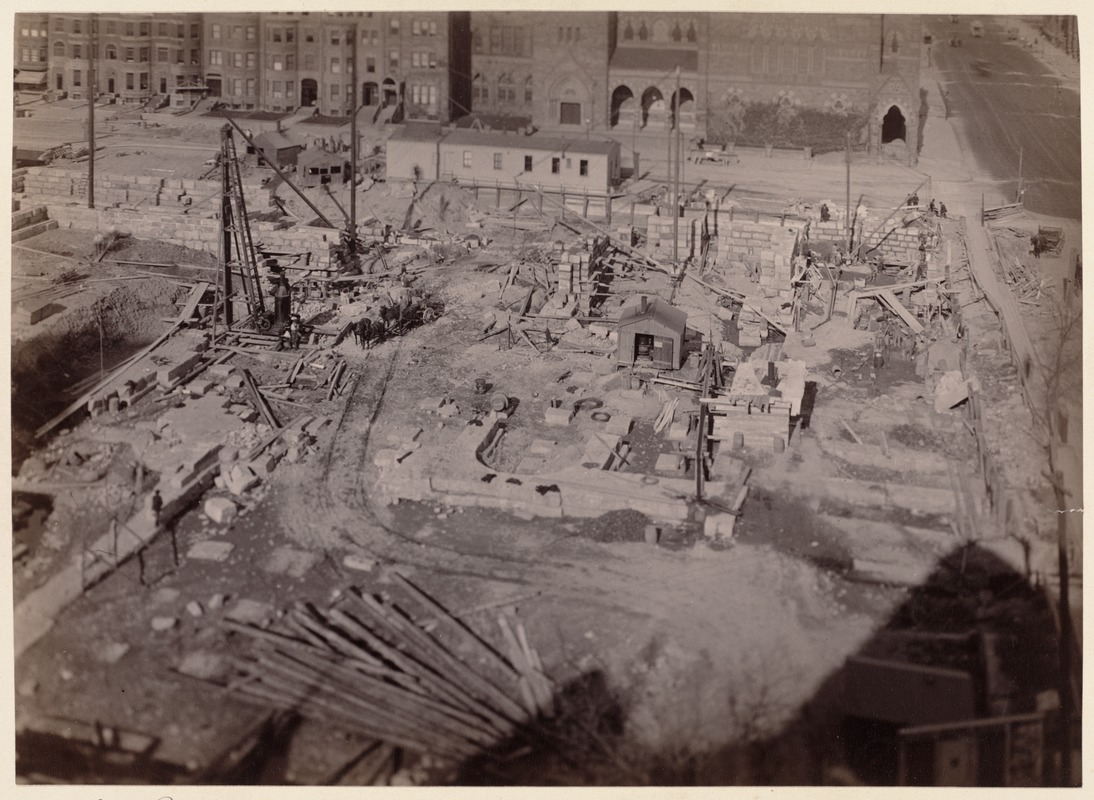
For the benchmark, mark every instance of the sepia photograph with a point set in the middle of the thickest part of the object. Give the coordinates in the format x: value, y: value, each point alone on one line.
x: 553, y: 397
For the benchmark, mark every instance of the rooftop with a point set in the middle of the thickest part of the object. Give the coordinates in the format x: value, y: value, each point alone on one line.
x: 554, y: 144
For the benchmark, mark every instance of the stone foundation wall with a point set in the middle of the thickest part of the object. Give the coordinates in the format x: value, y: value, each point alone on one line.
x: 196, y: 233
x: 169, y: 195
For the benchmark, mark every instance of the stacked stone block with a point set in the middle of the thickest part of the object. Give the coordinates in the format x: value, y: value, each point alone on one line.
x: 659, y: 236
x: 149, y: 193
x: 770, y: 247
x: 197, y: 233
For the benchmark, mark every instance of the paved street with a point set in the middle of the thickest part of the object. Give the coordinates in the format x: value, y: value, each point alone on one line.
x: 1003, y: 98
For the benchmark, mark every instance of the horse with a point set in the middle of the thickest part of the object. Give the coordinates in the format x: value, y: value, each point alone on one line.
x: 391, y: 317
x: 363, y: 332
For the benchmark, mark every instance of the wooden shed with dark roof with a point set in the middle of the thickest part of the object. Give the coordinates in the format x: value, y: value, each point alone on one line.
x: 651, y: 333
x: 276, y: 148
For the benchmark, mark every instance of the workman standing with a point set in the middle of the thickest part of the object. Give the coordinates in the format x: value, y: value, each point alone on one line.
x: 157, y: 506
x: 295, y: 332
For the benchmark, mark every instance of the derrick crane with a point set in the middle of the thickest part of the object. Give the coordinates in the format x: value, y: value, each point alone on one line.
x: 237, y: 251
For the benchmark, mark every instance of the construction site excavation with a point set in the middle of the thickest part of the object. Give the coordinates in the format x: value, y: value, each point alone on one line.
x: 364, y: 445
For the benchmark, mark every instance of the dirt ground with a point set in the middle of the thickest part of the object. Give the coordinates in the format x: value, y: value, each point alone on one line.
x: 698, y: 661
x: 693, y: 660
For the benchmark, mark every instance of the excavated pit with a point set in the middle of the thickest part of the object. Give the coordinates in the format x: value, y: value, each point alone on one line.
x: 66, y: 350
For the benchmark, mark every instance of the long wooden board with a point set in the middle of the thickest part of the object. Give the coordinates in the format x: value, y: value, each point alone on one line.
x: 899, y: 309
x: 81, y: 401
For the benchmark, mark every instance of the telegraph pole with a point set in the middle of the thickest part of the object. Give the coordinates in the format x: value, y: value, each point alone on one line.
x: 1019, y: 174
x: 91, y: 21
x: 353, y: 142
x: 676, y: 168
x: 848, y: 159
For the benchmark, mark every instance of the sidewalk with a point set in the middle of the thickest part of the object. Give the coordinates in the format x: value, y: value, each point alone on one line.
x: 1063, y: 66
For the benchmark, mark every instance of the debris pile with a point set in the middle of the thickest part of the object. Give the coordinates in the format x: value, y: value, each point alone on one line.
x: 366, y: 663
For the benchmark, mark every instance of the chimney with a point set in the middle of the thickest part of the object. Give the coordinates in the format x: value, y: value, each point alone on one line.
x: 643, y: 304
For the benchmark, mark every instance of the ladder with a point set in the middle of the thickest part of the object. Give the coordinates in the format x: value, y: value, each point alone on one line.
x: 237, y: 248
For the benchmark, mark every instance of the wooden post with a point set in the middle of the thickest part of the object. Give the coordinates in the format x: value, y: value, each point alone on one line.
x: 92, y: 24
x: 585, y: 204
x: 676, y: 172
x: 497, y: 200
x: 608, y: 208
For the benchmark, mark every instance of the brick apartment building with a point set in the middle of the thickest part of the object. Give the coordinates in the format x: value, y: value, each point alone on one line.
x: 138, y: 56
x: 31, y: 53
x: 416, y: 63
x: 282, y: 62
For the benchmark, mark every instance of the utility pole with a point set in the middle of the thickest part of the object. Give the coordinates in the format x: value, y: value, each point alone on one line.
x: 353, y: 142
x: 676, y: 170
x: 1019, y: 199
x: 91, y: 25
x: 848, y: 193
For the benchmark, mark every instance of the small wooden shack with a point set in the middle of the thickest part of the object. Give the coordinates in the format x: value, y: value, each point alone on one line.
x: 317, y: 167
x: 651, y: 332
x: 276, y: 148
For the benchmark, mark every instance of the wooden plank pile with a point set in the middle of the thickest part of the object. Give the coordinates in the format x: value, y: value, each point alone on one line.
x: 1003, y: 212
x: 1027, y: 284
x: 366, y: 664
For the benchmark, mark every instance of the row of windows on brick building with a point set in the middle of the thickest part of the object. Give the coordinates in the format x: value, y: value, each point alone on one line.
x: 506, y: 89
x: 336, y: 35
x: 110, y: 26
x: 142, y: 54
x: 335, y: 65
x: 132, y: 80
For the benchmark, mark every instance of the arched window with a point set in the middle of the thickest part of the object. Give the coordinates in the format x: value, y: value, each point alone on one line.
x: 677, y: 34
x: 628, y: 32
x: 480, y: 90
x: 528, y: 90
x: 691, y: 32
x: 893, y: 44
x: 507, y: 92
x: 59, y: 49
x: 476, y: 41
x: 643, y: 32
x: 111, y: 53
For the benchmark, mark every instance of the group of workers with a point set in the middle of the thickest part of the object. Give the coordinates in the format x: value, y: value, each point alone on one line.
x: 932, y: 209
x: 292, y: 334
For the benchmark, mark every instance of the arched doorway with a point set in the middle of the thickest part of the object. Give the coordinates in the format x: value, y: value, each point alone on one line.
x: 391, y: 93
x: 653, y: 106
x: 569, y: 101
x: 893, y: 126
x: 370, y: 94
x: 623, y: 106
x: 309, y: 92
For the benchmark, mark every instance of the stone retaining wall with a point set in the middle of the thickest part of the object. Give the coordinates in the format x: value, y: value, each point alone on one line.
x: 196, y: 233
x: 170, y: 195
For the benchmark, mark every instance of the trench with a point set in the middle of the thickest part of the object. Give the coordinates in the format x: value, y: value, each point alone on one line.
x: 68, y: 350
